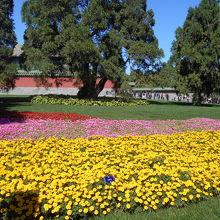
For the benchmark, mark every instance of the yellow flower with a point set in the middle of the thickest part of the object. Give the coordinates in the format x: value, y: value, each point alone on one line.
x: 64, y: 174
x: 166, y: 200
x: 146, y: 208
x: 197, y: 195
x: 46, y: 207
x: 118, y: 205
x: 154, y: 207
x: 119, y: 198
x: 85, y: 210
x: 69, y: 212
x: 128, y: 206
x: 191, y: 197
x: 91, y: 208
x: 102, y: 206
x: 96, y: 212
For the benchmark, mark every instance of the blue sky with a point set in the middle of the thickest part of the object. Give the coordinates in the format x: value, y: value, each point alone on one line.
x: 169, y: 14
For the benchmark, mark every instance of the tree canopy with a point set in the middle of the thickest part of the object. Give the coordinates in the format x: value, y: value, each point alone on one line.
x: 90, y: 39
x: 196, y: 51
x: 7, y: 43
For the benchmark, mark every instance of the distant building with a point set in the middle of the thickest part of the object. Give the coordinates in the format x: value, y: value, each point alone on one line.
x: 159, y: 93
x: 132, y: 84
x: 29, y: 83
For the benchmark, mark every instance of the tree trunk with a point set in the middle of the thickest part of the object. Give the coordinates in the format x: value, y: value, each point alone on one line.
x: 91, y: 89
x: 100, y: 86
x: 197, y: 98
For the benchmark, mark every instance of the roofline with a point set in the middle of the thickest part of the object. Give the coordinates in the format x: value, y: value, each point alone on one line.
x: 154, y: 89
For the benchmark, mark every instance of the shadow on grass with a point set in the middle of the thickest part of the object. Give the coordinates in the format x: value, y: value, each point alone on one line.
x: 6, y: 102
x: 20, y: 205
x: 25, y: 205
x: 10, y: 101
x: 7, y: 117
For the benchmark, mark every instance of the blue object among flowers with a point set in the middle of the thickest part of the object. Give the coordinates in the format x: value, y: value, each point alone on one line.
x: 109, y: 179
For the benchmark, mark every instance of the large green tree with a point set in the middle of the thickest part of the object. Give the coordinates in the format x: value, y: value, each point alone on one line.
x: 90, y: 39
x: 196, y: 51
x: 7, y: 43
x: 164, y: 76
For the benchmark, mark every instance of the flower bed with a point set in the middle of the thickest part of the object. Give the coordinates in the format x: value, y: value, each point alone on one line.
x: 35, y: 129
x: 89, y: 102
x: 67, y: 178
x: 43, y: 115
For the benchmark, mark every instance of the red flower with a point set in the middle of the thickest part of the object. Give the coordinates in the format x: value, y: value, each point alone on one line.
x: 44, y: 115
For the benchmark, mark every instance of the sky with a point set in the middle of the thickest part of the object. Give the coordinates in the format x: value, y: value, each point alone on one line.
x: 168, y: 14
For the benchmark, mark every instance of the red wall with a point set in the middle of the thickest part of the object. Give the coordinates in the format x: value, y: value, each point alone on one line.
x: 61, y: 82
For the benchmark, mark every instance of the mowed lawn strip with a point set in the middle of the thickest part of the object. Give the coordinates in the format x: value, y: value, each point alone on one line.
x: 204, y: 210
x: 157, y: 110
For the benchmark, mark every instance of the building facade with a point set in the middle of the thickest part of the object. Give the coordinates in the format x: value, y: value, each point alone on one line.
x: 159, y: 93
x: 29, y: 82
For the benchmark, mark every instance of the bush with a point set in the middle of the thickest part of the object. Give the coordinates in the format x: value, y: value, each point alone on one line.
x: 89, y: 102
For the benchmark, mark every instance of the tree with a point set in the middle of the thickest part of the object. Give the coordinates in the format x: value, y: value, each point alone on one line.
x: 164, y: 77
x: 196, y: 51
x: 7, y: 43
x: 43, y: 19
x: 94, y: 39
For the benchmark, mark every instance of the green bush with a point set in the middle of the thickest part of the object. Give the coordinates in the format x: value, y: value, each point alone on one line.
x: 89, y: 102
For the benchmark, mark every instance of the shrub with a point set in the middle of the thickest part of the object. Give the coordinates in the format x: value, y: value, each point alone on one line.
x: 89, y: 102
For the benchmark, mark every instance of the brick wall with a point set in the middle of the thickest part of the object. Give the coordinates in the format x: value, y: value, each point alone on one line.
x: 59, y: 86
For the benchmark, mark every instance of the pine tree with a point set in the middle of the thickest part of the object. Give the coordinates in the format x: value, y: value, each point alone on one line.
x: 196, y: 51
x: 7, y: 43
x: 95, y: 39
x: 43, y: 19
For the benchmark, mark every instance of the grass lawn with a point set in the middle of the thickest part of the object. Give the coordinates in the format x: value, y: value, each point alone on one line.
x: 204, y: 210
x: 157, y: 110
